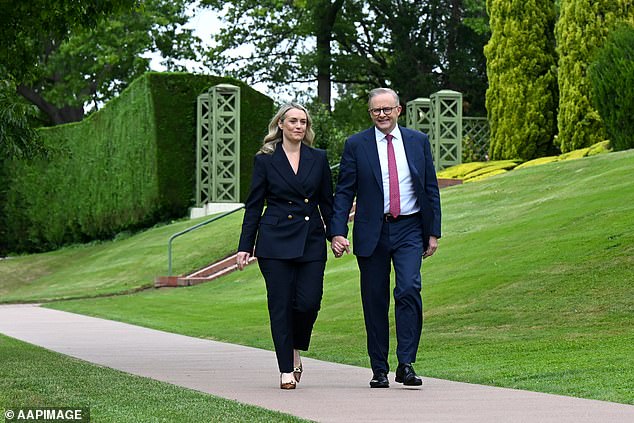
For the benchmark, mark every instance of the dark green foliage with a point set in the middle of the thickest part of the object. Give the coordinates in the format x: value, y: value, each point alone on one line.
x: 17, y: 140
x: 521, y: 99
x: 612, y: 85
x: 17, y: 137
x: 415, y: 47
x: 94, y: 64
x: 27, y: 24
x: 472, y: 151
x: 332, y: 128
x: 582, y: 28
x: 329, y: 134
x: 130, y: 165
x: 25, y: 27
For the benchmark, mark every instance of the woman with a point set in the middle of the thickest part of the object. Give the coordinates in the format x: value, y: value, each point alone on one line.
x: 290, y: 241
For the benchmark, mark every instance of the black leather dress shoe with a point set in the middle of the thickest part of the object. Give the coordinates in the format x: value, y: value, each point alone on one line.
x: 406, y: 375
x: 379, y: 380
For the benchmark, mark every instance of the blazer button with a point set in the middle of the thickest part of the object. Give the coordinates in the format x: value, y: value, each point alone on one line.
x: 306, y: 200
x: 290, y: 216
x: 306, y: 218
x: 290, y: 202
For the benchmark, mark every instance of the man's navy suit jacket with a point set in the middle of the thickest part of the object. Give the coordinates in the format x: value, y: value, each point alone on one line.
x: 360, y: 176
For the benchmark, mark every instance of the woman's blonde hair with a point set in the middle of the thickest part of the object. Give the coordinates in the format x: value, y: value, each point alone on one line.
x: 275, y: 133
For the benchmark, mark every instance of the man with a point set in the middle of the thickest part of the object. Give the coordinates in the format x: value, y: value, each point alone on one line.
x: 390, y: 170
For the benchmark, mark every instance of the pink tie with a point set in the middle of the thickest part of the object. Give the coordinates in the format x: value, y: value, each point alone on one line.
x: 395, y: 194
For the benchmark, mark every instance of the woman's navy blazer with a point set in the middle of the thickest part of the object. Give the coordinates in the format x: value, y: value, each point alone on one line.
x: 297, y: 205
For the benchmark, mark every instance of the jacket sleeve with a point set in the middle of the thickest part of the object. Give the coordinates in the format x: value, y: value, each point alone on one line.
x: 326, y: 196
x: 432, y: 193
x: 345, y: 191
x: 254, y: 205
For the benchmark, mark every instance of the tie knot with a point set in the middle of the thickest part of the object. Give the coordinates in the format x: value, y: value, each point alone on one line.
x: 389, y: 137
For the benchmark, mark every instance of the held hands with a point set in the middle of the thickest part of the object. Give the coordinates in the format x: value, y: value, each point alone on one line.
x: 339, y: 244
x: 242, y: 259
x: 432, y: 247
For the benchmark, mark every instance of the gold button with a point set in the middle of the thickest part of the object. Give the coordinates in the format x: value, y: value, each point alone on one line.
x: 290, y: 216
x: 307, y: 218
x: 306, y: 200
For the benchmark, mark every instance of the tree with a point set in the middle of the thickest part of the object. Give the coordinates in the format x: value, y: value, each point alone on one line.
x: 25, y: 25
x: 95, y: 64
x: 325, y: 16
x: 17, y: 140
x: 522, y: 96
x: 17, y: 137
x: 280, y: 34
x: 466, y: 62
x: 432, y: 45
x: 412, y: 46
x: 611, y: 76
x: 582, y: 28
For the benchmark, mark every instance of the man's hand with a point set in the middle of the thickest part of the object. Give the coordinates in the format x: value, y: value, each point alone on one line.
x: 242, y: 259
x: 431, y: 247
x: 339, y: 244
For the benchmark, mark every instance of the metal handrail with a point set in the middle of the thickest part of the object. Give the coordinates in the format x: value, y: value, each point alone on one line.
x: 183, y: 232
x: 213, y: 219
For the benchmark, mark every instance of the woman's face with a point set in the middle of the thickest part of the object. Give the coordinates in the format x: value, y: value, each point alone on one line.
x: 294, y: 125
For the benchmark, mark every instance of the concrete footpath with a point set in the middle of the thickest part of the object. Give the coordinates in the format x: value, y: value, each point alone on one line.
x: 328, y: 392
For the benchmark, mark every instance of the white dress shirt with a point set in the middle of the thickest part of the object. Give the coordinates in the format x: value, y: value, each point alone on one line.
x: 409, y: 204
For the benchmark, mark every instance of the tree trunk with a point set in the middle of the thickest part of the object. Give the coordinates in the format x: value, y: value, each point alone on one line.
x: 56, y: 115
x: 323, y: 69
x: 455, y: 21
x: 325, y: 16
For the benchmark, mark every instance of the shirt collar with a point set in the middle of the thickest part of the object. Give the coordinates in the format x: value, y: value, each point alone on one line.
x: 380, y: 136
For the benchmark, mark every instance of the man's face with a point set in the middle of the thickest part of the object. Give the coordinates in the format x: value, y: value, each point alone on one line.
x: 381, y: 104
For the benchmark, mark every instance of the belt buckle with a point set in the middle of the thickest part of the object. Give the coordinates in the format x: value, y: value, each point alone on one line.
x: 388, y: 218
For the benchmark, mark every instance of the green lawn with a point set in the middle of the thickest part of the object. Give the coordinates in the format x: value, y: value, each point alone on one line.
x: 127, y: 264
x: 34, y: 377
x: 532, y: 287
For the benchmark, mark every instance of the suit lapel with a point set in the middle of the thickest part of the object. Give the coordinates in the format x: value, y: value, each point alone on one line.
x: 306, y: 163
x: 283, y: 167
x: 412, y: 153
x: 372, y: 152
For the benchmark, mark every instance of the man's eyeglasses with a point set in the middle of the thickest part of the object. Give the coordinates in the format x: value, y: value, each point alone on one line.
x: 378, y: 110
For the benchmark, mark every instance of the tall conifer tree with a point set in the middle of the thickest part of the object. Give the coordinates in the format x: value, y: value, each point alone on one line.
x: 521, y: 99
x: 583, y: 26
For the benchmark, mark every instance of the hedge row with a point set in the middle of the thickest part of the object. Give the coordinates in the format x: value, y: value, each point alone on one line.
x: 130, y: 165
x: 475, y: 171
x: 611, y: 78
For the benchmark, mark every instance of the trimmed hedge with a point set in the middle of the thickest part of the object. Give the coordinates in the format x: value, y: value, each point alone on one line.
x: 475, y: 171
x: 581, y: 29
x: 130, y: 165
x: 521, y: 100
x: 611, y: 78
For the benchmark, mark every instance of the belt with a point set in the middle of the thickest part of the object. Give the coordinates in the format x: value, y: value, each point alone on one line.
x: 391, y: 219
